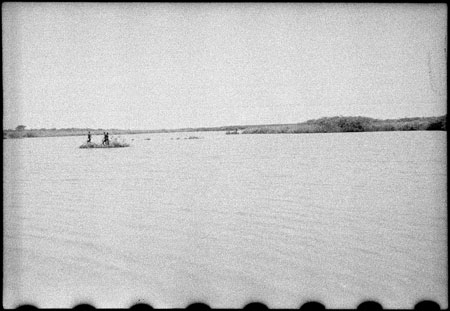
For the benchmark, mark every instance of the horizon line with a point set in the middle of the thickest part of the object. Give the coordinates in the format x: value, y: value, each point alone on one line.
x: 219, y: 126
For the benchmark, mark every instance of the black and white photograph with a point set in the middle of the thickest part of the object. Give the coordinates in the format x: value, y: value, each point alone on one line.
x: 224, y: 155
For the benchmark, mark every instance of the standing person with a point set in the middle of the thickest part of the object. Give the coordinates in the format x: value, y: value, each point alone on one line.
x: 104, y: 138
x: 89, y: 137
x: 107, y: 138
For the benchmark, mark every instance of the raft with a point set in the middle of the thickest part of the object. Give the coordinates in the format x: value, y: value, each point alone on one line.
x: 112, y: 144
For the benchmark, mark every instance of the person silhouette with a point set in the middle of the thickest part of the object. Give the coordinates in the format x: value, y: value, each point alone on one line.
x: 89, y: 137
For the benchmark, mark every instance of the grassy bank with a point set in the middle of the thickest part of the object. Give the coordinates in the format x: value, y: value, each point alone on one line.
x: 323, y: 125
x: 65, y: 132
x: 353, y: 124
x: 83, y: 132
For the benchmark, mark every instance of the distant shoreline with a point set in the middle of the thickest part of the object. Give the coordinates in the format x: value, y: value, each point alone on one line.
x: 322, y: 125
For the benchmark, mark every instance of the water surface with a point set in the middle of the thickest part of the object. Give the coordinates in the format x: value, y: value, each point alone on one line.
x: 227, y: 220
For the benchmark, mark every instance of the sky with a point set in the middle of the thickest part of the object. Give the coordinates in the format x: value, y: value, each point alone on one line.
x: 175, y: 65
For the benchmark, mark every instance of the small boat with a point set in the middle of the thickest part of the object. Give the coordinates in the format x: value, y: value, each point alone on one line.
x: 232, y: 132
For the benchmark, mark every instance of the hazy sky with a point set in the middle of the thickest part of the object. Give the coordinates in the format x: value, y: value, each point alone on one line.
x: 151, y: 66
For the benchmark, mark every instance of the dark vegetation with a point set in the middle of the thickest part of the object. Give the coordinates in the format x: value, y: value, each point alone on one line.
x: 353, y: 124
x: 322, y: 125
x: 67, y: 132
x: 112, y: 144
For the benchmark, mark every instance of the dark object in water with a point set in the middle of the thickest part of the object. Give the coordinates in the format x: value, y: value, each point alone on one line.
x: 232, y: 132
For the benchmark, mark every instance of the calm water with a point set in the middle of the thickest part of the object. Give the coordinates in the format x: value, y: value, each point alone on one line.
x: 226, y: 220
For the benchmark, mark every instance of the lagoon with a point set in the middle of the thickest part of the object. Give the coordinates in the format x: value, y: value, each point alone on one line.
x: 339, y: 218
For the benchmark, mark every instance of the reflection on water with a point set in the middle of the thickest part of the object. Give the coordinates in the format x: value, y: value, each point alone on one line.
x: 227, y: 219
